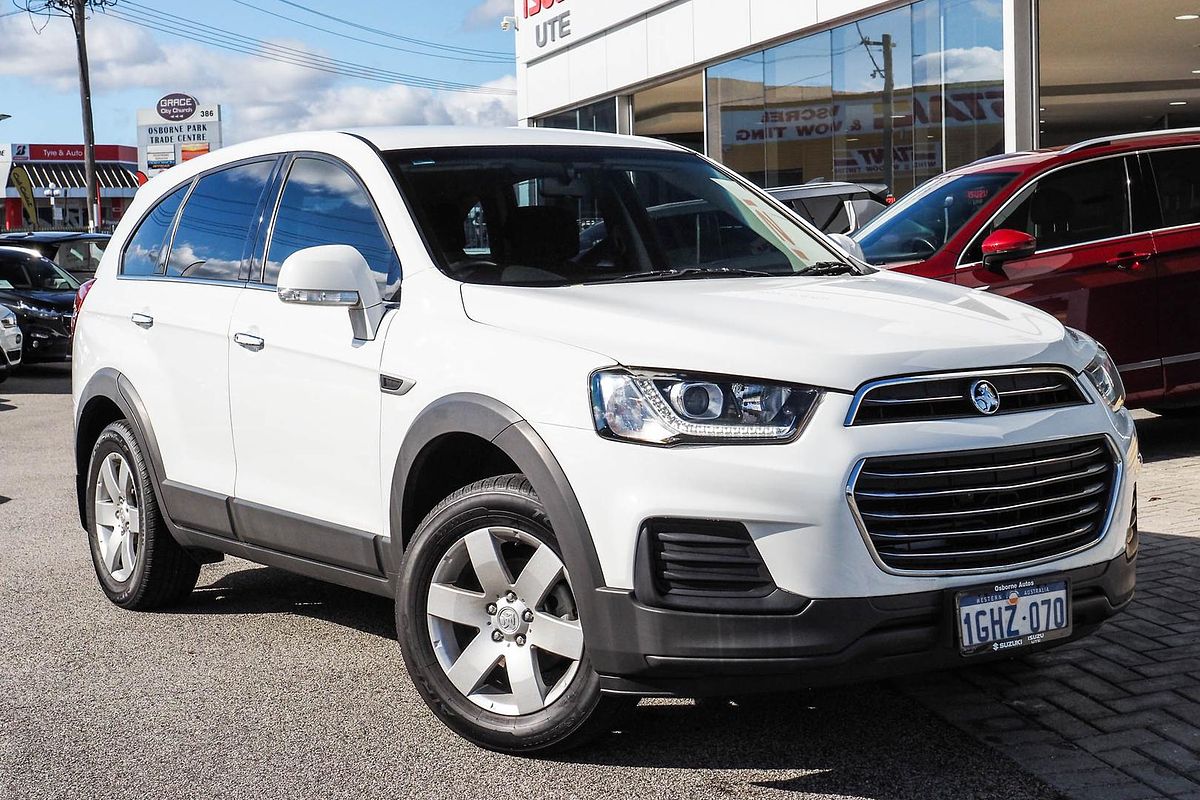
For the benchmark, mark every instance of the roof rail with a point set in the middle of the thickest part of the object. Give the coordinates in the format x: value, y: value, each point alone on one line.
x: 1103, y: 140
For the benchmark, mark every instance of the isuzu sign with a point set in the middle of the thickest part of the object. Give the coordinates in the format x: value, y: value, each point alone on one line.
x: 552, y: 27
x: 549, y: 26
x: 177, y: 107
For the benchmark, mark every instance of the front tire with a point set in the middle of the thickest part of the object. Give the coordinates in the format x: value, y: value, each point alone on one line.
x: 139, y: 565
x: 499, y: 659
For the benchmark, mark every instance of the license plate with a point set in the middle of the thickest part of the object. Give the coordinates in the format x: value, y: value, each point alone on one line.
x: 1012, y: 615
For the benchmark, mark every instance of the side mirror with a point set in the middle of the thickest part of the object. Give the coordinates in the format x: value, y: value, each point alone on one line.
x: 333, y: 275
x: 849, y: 245
x: 1005, y: 245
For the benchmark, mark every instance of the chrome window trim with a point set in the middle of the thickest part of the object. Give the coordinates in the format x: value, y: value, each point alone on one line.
x: 870, y: 386
x: 176, y: 279
x: 1105, y: 528
x: 1183, y: 358
x: 1136, y: 365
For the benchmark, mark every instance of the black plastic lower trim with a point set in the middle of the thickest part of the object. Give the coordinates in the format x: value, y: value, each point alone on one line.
x: 305, y: 537
x: 643, y: 650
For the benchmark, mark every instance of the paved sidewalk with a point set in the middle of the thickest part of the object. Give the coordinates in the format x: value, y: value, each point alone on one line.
x: 1115, y: 715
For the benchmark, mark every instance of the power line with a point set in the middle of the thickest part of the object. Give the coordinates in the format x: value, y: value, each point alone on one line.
x: 227, y: 40
x: 466, y: 56
x: 390, y: 35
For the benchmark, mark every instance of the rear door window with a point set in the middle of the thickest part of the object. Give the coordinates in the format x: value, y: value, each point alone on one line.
x: 322, y: 203
x: 212, y: 239
x: 1177, y: 174
x: 143, y: 254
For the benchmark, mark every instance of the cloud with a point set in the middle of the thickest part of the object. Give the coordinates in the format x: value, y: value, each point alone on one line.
x: 960, y: 65
x: 487, y: 14
x: 258, y: 96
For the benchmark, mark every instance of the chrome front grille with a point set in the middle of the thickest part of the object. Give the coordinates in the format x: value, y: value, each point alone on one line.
x: 927, y: 397
x: 983, y: 510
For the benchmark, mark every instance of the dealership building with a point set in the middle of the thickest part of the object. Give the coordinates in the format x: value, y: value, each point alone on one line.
x: 44, y: 184
x: 791, y: 91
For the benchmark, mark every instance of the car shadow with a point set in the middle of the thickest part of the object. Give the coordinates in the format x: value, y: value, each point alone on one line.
x: 1163, y: 438
x: 30, y: 379
x: 267, y: 590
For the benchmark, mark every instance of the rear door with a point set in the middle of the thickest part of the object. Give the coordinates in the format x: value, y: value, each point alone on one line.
x: 1177, y: 244
x: 305, y: 394
x: 177, y: 296
x: 1094, y: 267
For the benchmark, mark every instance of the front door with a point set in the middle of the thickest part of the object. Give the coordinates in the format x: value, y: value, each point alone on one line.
x: 1094, y: 268
x: 305, y: 394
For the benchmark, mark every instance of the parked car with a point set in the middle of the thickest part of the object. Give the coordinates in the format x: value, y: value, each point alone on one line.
x: 1104, y: 235
x: 43, y: 296
x: 586, y: 476
x: 835, y: 206
x: 10, y: 342
x: 77, y: 252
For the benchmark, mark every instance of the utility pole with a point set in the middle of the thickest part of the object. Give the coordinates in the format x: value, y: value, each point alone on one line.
x: 77, y: 11
x: 79, y: 18
x: 889, y: 105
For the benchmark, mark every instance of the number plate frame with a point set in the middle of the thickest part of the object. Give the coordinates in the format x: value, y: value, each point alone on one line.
x: 1024, y: 587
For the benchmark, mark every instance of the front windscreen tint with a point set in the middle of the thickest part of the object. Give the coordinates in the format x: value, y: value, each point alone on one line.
x: 922, y: 222
x: 553, y: 216
x: 34, y: 273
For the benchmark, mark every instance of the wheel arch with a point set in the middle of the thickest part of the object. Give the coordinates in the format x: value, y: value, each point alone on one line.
x: 108, y: 397
x: 498, y: 426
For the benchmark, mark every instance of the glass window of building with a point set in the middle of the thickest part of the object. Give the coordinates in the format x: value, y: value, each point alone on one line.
x: 673, y: 111
x: 973, y: 79
x: 799, y: 107
x: 737, y: 125
x: 872, y: 100
x: 893, y: 99
x: 600, y: 116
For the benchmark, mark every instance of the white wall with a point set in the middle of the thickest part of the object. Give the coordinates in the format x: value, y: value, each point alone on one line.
x: 617, y: 44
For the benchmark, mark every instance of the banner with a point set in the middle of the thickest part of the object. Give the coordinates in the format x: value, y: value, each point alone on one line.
x: 20, y: 180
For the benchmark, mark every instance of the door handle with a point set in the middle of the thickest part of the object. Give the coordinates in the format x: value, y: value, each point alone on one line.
x: 1129, y: 262
x: 142, y: 320
x: 251, y: 343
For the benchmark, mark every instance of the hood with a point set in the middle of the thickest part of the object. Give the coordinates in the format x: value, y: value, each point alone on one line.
x: 61, y: 301
x: 836, y: 332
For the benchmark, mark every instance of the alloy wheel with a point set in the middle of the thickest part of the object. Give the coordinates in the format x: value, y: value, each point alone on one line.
x: 118, y: 518
x: 511, y: 645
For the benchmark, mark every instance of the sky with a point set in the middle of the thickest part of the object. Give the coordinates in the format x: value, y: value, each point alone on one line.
x: 137, y: 55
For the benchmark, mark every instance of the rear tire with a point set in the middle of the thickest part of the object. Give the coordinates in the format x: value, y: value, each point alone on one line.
x: 139, y: 565
x: 523, y: 682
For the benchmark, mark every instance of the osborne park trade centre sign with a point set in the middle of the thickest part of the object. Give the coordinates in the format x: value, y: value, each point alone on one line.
x: 176, y: 129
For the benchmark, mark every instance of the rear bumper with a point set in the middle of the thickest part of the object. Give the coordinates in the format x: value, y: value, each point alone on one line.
x: 642, y: 650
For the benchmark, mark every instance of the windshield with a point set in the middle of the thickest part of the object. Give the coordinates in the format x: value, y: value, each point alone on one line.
x: 554, y: 216
x: 34, y: 272
x: 922, y: 222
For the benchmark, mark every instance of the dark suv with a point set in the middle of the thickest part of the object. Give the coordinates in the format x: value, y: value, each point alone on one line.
x: 77, y: 252
x: 42, y: 295
x: 1104, y: 235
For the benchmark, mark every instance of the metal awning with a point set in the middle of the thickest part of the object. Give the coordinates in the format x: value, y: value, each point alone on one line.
x: 110, y: 174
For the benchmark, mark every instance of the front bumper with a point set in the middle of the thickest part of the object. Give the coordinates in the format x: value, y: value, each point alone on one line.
x: 641, y: 650
x: 46, y: 342
x: 11, y: 341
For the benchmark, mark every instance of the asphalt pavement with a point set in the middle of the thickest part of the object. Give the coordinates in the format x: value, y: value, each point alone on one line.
x: 266, y: 684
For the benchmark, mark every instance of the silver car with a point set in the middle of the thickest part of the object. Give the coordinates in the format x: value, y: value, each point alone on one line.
x: 10, y: 342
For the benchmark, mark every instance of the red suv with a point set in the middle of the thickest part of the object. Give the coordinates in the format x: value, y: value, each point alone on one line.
x: 1104, y: 235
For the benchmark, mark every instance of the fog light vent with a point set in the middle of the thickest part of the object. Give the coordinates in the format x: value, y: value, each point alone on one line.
x: 708, y: 565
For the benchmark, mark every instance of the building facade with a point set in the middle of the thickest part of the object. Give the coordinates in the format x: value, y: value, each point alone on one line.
x: 790, y: 91
x: 44, y: 185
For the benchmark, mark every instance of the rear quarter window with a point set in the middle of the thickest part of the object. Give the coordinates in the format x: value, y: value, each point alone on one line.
x: 143, y: 254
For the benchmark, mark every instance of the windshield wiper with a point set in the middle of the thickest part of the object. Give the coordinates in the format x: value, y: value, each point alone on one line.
x: 684, y: 273
x: 830, y: 268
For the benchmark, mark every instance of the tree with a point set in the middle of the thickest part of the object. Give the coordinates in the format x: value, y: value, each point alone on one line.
x: 78, y: 11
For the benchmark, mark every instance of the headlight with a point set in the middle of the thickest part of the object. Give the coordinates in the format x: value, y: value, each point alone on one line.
x: 8, y: 321
x: 1103, y: 374
x: 36, y: 311
x: 665, y: 408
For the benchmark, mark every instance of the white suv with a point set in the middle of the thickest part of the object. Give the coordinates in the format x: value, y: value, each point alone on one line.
x: 593, y: 449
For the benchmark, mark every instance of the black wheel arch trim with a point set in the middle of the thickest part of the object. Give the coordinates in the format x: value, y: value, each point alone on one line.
x: 495, y: 422
x: 113, y: 386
